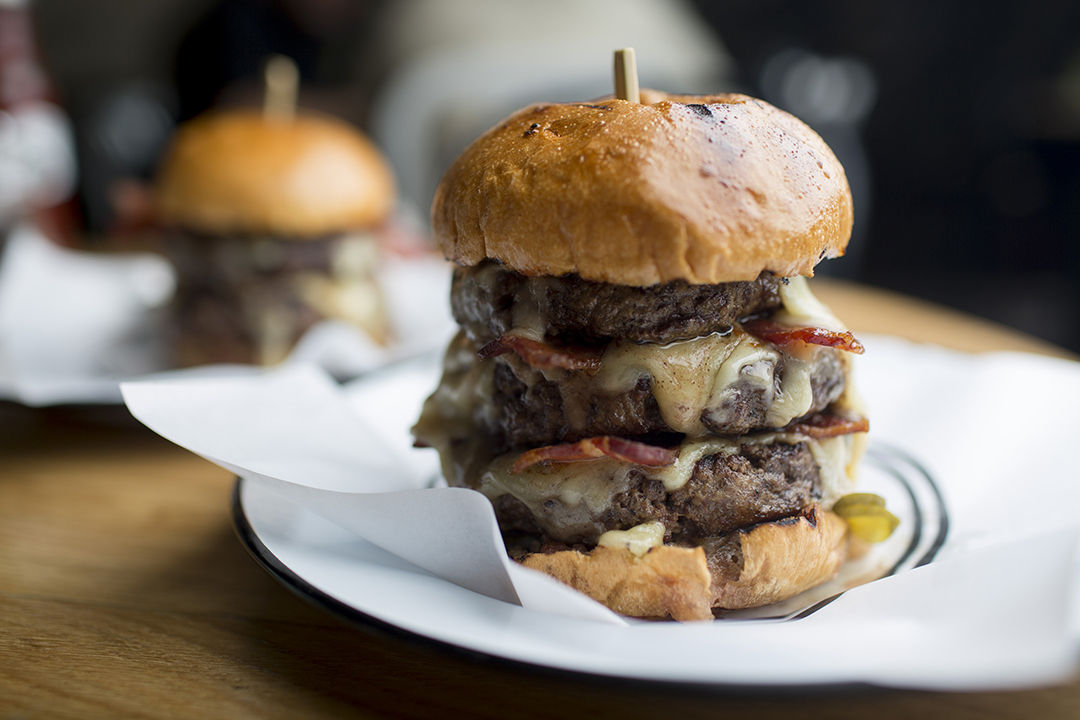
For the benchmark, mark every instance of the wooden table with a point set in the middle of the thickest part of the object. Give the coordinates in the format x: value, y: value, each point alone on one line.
x: 123, y: 592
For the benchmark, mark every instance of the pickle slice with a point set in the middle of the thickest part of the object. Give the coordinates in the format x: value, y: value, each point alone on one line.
x: 866, y: 516
x: 857, y: 499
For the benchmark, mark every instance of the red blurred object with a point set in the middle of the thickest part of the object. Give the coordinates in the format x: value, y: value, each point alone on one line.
x: 37, y: 155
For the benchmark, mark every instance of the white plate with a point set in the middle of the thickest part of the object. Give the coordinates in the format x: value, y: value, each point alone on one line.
x: 74, y: 347
x: 360, y: 582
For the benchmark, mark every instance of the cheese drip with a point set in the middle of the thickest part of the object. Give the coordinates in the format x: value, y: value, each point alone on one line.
x: 796, y: 393
x: 684, y: 374
x: 802, y: 308
x: 703, y: 376
x: 639, y: 539
x: 589, y: 484
x: 462, y: 397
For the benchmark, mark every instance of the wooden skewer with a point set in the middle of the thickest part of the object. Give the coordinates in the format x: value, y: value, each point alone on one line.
x: 281, y: 80
x: 626, y: 82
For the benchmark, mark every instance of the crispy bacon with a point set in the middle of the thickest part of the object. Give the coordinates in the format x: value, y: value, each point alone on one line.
x: 629, y: 451
x: 827, y: 425
x: 541, y: 355
x: 774, y: 332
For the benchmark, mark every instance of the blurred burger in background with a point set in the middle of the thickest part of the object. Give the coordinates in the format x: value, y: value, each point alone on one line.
x: 270, y: 219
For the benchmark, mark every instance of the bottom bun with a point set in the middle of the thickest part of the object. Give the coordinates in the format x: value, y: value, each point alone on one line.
x: 666, y: 581
x: 757, y: 566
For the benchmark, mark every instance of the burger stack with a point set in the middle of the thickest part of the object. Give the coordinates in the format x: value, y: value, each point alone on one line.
x: 644, y: 386
x: 270, y: 222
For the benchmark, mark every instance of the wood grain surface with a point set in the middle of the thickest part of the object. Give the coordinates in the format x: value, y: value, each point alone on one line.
x: 124, y: 593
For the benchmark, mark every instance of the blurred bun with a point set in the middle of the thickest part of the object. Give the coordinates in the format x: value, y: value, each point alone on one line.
x: 236, y: 171
x: 708, y: 189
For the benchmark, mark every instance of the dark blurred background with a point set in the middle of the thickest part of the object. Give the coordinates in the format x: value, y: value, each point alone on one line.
x: 968, y: 181
x: 958, y: 123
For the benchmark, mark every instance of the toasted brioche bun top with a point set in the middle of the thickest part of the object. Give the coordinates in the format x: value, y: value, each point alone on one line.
x: 705, y: 189
x: 241, y: 172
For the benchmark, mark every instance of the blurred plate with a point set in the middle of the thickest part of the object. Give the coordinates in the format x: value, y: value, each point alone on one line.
x: 74, y: 324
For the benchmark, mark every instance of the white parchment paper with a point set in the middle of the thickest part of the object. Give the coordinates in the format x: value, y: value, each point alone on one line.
x: 997, y: 608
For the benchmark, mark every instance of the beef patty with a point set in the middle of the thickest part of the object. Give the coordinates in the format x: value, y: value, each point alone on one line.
x: 758, y: 483
x: 535, y: 411
x: 484, y: 299
x: 227, y: 285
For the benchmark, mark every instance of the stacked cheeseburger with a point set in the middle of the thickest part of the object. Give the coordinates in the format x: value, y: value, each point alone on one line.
x: 643, y: 385
x: 271, y: 226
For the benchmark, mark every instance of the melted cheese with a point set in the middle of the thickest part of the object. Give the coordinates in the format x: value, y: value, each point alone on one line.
x: 638, y: 539
x: 704, y: 375
x: 583, y: 489
x: 590, y: 483
x: 751, y: 364
x: 683, y: 375
x: 275, y: 333
x: 801, y: 308
x: 355, y: 255
x: 677, y: 474
x: 796, y: 393
x: 834, y: 457
x: 356, y: 300
x: 464, y: 391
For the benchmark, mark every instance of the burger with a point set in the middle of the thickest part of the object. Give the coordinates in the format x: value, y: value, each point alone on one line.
x: 643, y: 384
x: 270, y: 223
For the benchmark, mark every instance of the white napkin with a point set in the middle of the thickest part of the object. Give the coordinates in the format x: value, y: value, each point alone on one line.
x: 996, y: 609
x: 73, y: 324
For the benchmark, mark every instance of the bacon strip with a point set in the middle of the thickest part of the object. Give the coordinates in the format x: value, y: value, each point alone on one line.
x: 767, y: 329
x: 629, y: 451
x: 540, y: 355
x: 827, y: 425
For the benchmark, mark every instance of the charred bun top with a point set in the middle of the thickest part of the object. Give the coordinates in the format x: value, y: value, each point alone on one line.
x: 706, y: 189
x: 240, y: 172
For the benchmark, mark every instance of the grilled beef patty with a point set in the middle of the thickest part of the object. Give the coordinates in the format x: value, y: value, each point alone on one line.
x: 757, y: 484
x: 484, y: 300
x: 534, y: 411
